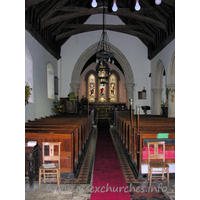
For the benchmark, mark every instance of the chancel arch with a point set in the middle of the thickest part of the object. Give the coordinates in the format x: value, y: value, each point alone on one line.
x: 88, y: 53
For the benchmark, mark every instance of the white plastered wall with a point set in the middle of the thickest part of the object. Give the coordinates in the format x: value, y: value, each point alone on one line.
x: 42, y: 105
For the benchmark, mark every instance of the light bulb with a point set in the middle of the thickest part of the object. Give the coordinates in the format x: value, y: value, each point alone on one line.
x: 157, y: 2
x: 109, y: 59
x: 137, y: 6
x: 113, y: 62
x: 94, y: 3
x: 114, y: 8
x: 97, y: 60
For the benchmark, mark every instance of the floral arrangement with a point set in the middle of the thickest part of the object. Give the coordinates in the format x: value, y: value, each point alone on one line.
x: 27, y: 92
x: 58, y: 107
x: 145, y: 108
x: 83, y: 101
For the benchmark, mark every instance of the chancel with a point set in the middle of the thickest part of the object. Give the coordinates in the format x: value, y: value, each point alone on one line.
x: 100, y: 81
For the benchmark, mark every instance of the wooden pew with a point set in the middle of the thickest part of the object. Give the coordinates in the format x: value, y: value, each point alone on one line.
x: 67, y: 146
x: 64, y: 123
x: 71, y: 132
x: 132, y: 136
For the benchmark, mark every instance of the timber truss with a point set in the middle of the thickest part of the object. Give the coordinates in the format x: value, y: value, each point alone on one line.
x: 53, y: 22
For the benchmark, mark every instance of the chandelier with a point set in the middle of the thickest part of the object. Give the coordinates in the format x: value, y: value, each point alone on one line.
x: 103, y: 55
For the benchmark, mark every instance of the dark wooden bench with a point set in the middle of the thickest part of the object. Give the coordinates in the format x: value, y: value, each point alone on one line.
x: 133, y: 134
x: 71, y: 132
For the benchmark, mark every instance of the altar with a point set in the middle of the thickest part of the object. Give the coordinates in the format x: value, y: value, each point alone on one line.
x: 102, y: 112
x: 106, y: 109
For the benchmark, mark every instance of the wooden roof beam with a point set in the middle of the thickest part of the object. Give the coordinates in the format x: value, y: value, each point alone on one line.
x: 99, y: 26
x: 29, y: 3
x: 169, y: 2
x: 129, y: 32
x: 121, y: 12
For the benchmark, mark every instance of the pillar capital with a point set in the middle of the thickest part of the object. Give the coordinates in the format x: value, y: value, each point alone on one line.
x: 75, y: 86
x: 172, y: 86
x: 129, y: 86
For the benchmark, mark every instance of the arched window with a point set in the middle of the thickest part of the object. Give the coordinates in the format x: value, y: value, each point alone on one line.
x: 50, y: 81
x: 113, y: 88
x: 91, y: 88
x: 102, y: 92
x: 29, y: 72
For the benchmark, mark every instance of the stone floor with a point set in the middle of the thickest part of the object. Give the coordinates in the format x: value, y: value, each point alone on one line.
x: 66, y: 191
x: 80, y: 189
x: 83, y: 191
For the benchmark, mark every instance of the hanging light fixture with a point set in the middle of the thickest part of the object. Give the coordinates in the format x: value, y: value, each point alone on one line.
x: 137, y: 5
x: 103, y: 72
x: 114, y: 8
x: 94, y: 3
x: 158, y: 2
x: 103, y: 55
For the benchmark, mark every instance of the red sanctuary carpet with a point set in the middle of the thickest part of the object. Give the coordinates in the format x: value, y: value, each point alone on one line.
x: 108, y: 178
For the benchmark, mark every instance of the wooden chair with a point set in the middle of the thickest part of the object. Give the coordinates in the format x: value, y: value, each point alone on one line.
x: 50, y: 169
x: 157, y: 164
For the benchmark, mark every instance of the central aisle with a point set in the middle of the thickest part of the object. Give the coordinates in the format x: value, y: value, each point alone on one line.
x: 108, y: 178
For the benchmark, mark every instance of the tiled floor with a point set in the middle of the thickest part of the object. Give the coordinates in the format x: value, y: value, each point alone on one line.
x: 80, y: 188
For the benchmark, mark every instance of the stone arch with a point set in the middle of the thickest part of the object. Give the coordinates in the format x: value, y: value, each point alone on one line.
x: 89, y: 52
x: 158, y: 75
x: 171, y: 70
x: 157, y: 88
x: 171, y: 85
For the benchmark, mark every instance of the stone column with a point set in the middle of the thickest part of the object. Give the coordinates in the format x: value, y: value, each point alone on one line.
x: 171, y: 100
x: 75, y: 87
x: 129, y: 87
x: 156, y: 101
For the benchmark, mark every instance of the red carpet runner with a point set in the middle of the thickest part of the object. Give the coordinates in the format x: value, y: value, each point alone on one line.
x: 108, y: 178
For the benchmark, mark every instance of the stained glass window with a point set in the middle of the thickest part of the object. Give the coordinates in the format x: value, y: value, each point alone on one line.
x: 102, y: 92
x: 113, y: 88
x: 91, y: 88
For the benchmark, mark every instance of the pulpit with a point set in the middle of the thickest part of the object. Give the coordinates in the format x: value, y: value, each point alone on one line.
x: 32, y: 161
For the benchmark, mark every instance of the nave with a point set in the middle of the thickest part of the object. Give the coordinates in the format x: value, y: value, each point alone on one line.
x: 81, y: 187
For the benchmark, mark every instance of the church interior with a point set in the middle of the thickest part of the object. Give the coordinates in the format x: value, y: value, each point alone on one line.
x: 100, y: 84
